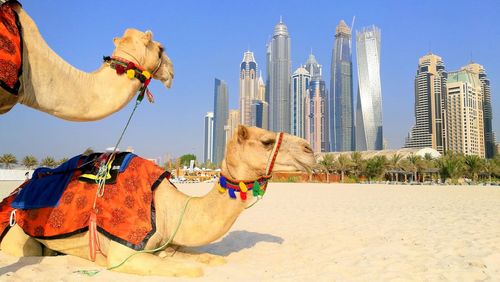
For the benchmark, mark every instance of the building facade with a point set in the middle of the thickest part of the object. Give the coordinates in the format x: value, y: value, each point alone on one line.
x: 300, y: 87
x: 316, y: 113
x: 220, y: 119
x: 209, y: 137
x: 260, y: 113
x: 489, y: 135
x: 369, y: 130
x: 464, y: 113
x: 342, y: 133
x: 279, y: 79
x: 233, y: 121
x: 248, y: 86
x: 430, y: 94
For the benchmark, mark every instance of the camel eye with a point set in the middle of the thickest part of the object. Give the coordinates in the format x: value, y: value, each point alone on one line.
x: 268, y: 142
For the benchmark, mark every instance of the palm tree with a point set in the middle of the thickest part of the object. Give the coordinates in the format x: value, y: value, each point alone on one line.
x: 88, y: 151
x: 48, y: 162
x: 474, y: 164
x: 489, y: 168
x: 327, y: 164
x: 375, y: 167
x: 394, y: 163
x: 61, y: 161
x: 415, y: 162
x: 343, y: 164
x: 29, y: 161
x: 8, y: 160
x: 451, y: 166
x: 357, y: 163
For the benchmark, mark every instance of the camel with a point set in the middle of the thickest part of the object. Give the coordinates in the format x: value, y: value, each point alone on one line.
x: 250, y: 155
x: 51, y: 85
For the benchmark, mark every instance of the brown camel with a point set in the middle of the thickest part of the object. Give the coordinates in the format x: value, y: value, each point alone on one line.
x: 51, y: 85
x: 251, y: 154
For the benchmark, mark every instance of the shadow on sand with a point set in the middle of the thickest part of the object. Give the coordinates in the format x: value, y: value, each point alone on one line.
x: 22, y: 262
x: 237, y: 241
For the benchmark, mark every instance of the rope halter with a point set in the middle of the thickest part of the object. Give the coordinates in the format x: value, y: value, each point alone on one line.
x: 257, y: 186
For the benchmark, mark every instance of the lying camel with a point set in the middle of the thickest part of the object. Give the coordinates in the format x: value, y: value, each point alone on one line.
x: 251, y: 155
x: 51, y: 85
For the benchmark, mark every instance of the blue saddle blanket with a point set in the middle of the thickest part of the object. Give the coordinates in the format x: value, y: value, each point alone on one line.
x: 46, y: 186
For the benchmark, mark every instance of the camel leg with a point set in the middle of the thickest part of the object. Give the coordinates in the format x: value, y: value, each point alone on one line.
x: 181, y: 253
x: 149, y: 264
x: 17, y: 243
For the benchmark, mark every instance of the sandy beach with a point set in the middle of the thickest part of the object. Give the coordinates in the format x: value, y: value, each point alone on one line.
x: 332, y: 232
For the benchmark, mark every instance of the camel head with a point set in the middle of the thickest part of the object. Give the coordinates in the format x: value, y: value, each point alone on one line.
x: 139, y: 47
x: 249, y: 150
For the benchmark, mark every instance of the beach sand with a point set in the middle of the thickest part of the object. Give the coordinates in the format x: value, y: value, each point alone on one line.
x: 332, y: 232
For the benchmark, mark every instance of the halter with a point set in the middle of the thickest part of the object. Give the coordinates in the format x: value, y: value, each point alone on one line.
x: 257, y: 186
x: 123, y: 66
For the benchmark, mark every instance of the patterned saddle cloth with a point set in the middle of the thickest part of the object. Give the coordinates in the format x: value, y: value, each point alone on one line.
x: 125, y: 213
x: 10, y: 48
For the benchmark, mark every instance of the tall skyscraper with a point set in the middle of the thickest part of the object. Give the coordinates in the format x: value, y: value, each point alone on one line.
x: 489, y: 135
x: 233, y: 121
x: 342, y: 133
x: 430, y: 94
x: 279, y: 79
x: 300, y: 86
x: 316, y: 108
x: 261, y: 89
x: 220, y: 119
x: 464, y: 113
x: 260, y: 113
x: 248, y: 86
x: 369, y: 135
x: 209, y: 137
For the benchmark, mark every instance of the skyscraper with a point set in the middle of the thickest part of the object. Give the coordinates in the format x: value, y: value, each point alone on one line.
x: 342, y: 134
x: 430, y: 94
x: 489, y: 136
x: 279, y: 79
x: 248, y: 86
x: 464, y: 113
x: 261, y: 89
x: 369, y: 135
x: 316, y: 108
x: 300, y: 86
x: 233, y: 121
x: 220, y: 120
x: 209, y: 137
x: 260, y: 113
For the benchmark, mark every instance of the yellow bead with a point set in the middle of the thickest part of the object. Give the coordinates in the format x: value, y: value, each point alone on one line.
x: 146, y: 74
x: 222, y: 190
x: 243, y: 187
x: 130, y: 74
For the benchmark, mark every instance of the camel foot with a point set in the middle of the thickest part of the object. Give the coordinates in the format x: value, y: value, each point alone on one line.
x: 205, y: 258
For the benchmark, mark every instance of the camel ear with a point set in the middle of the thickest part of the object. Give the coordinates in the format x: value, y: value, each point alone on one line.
x: 165, y: 72
x: 242, y: 133
x: 146, y: 38
x: 116, y: 41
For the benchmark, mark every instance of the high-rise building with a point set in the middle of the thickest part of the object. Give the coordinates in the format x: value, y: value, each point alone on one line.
x: 260, y: 113
x: 300, y: 86
x: 233, y: 121
x: 209, y: 137
x: 261, y: 89
x: 430, y: 94
x: 316, y: 108
x: 248, y: 86
x: 342, y: 133
x: 369, y: 135
x: 279, y: 79
x: 489, y: 135
x: 220, y: 119
x: 464, y: 113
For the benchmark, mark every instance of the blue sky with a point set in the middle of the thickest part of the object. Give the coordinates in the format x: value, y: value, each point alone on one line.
x: 206, y: 39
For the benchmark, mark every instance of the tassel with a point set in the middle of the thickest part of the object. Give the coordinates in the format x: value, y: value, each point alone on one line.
x: 93, y: 243
x: 150, y: 97
x: 243, y: 195
x: 243, y: 187
x: 221, y: 190
x: 231, y: 193
x: 222, y: 181
x: 256, y: 188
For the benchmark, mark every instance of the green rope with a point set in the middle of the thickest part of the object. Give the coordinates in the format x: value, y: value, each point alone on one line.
x: 162, y: 247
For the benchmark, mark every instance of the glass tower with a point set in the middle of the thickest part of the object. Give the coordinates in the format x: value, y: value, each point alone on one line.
x: 248, y: 86
x: 300, y: 86
x: 221, y: 112
x: 209, y: 137
x: 342, y: 135
x: 279, y: 79
x: 369, y: 134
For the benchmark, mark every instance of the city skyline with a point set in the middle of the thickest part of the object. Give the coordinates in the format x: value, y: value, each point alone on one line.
x: 178, y: 113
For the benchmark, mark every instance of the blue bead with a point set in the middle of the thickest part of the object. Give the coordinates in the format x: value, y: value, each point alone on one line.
x: 231, y: 193
x: 222, y: 181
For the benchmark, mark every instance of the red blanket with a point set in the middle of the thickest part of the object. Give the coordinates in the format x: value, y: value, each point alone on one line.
x: 10, y: 49
x: 125, y: 213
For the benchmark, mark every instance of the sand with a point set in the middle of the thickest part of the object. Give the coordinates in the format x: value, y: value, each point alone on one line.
x: 333, y: 232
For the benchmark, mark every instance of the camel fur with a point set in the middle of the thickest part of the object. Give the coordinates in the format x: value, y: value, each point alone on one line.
x: 51, y: 85
x: 206, y: 218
